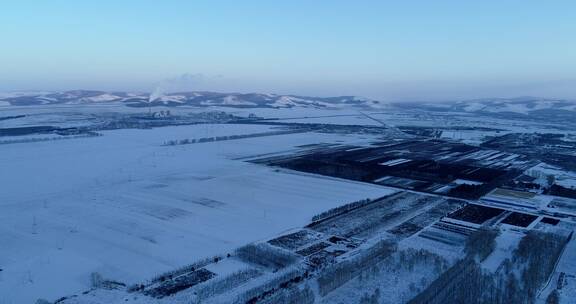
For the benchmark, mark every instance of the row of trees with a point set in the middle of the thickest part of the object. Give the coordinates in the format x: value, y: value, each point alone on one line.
x: 279, y: 283
x: 42, y: 139
x: 538, y: 253
x: 292, y: 295
x: 561, y: 191
x: 481, y: 243
x: 340, y: 210
x: 227, y: 137
x: 175, y: 273
x: 339, y: 274
x: 392, y: 274
x: 219, y: 286
x: 517, y: 281
x: 267, y: 256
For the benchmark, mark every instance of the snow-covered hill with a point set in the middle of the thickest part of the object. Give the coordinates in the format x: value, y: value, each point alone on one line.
x: 518, y: 105
x: 200, y: 99
x: 521, y: 105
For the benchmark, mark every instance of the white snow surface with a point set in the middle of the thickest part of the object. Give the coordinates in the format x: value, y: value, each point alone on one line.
x: 128, y: 208
x: 562, y: 177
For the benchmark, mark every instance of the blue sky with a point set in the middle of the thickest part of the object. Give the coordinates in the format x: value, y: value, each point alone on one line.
x: 383, y: 49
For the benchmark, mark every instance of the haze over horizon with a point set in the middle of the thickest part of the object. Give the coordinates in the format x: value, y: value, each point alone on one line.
x: 442, y: 50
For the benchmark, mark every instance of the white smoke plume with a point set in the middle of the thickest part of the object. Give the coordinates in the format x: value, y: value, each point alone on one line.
x: 157, y: 93
x: 184, y: 82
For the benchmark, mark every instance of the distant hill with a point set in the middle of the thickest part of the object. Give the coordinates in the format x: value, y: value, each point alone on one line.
x: 519, y: 106
x: 199, y: 99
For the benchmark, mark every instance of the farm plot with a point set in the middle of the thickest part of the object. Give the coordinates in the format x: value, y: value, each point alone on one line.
x: 476, y: 214
x: 431, y: 166
x: 381, y: 214
x: 447, y: 233
x: 180, y: 283
x: 296, y: 240
x: 519, y: 219
x: 517, y: 199
x: 317, y: 248
x: 565, y: 205
x: 420, y: 221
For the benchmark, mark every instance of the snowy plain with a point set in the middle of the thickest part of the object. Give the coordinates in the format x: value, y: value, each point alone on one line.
x: 129, y: 208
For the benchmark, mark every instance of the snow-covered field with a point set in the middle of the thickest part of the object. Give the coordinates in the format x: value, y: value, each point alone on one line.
x: 128, y: 208
x: 561, y: 177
